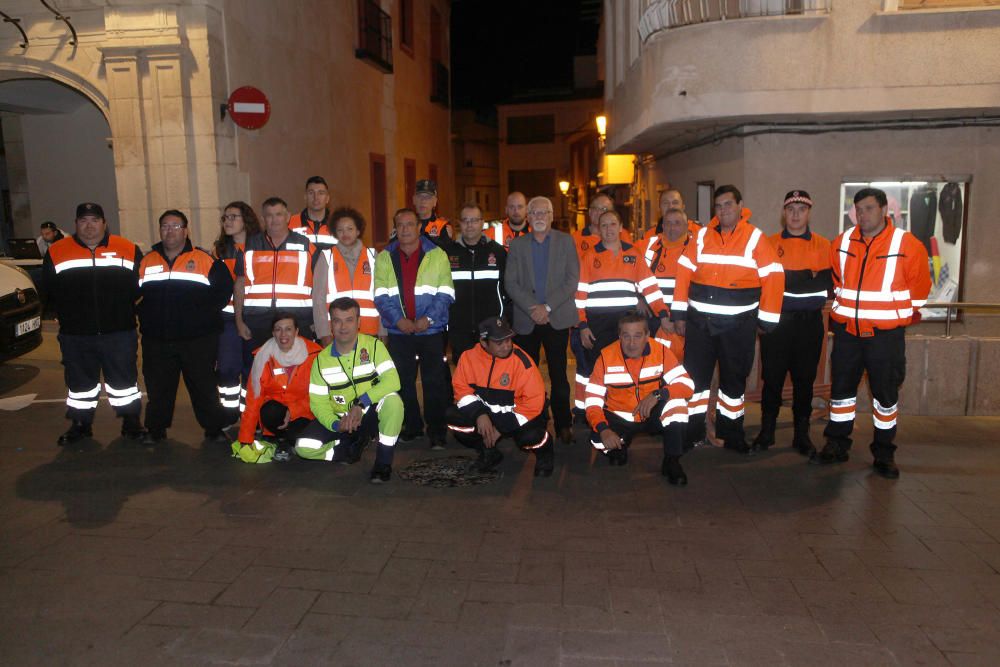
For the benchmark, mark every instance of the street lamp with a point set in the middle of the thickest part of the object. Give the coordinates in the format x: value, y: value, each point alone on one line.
x: 564, y: 187
x: 602, y: 130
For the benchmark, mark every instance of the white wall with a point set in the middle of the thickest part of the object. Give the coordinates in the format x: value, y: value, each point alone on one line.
x: 68, y: 161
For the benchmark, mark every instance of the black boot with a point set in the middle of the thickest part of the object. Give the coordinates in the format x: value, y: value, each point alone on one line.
x: 765, y: 438
x: 489, y: 459
x: 672, y: 470
x: 545, y: 460
x: 884, y: 462
x: 132, y: 428
x: 832, y: 452
x: 801, y: 441
x: 77, y: 431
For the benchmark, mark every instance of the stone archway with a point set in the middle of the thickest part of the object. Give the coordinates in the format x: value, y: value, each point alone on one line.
x: 57, y: 152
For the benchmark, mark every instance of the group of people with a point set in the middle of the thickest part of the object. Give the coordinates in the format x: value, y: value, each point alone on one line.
x: 312, y: 342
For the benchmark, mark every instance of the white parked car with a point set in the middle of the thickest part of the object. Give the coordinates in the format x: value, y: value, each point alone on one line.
x: 20, y: 312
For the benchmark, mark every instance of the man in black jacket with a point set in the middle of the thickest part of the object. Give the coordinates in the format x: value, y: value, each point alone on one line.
x: 92, y: 281
x: 183, y: 291
x: 477, y: 269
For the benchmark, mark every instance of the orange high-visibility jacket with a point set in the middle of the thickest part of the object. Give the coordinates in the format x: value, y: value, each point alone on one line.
x: 878, y: 282
x: 611, y: 284
x: 662, y: 258
x: 291, y: 390
x: 510, y: 390
x: 806, y: 260
x: 585, y: 240
x: 318, y: 233
x: 279, y: 277
x: 360, y: 286
x: 619, y: 384
x: 728, y: 274
x: 501, y: 232
x: 435, y: 227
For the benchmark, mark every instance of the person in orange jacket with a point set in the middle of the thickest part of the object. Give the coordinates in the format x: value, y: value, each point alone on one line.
x: 278, y: 387
x: 881, y: 279
x: 729, y: 285
x: 662, y: 254
x: 500, y: 393
x: 797, y: 342
x: 638, y: 387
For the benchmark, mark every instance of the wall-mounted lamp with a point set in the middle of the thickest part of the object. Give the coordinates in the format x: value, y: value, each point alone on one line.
x: 564, y: 187
x: 602, y: 126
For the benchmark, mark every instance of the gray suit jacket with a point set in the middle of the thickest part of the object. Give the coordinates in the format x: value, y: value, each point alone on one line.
x: 560, y: 284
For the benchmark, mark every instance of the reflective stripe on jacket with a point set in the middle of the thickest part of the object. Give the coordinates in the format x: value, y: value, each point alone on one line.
x: 727, y: 275
x: 358, y: 284
x: 618, y: 384
x: 434, y: 291
x: 611, y: 284
x: 806, y: 260
x: 510, y: 390
x: 878, y: 282
x: 279, y: 277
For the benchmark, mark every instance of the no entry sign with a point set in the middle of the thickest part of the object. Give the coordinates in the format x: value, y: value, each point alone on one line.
x: 249, y: 108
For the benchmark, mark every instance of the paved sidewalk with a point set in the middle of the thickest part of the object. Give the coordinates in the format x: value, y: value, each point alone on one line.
x: 182, y: 556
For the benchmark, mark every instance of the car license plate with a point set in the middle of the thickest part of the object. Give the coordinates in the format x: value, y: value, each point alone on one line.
x: 27, y: 326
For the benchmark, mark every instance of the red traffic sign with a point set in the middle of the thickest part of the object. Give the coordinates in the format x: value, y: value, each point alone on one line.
x: 249, y: 108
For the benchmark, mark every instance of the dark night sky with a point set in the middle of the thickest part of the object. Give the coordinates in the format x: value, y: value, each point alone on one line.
x: 500, y: 48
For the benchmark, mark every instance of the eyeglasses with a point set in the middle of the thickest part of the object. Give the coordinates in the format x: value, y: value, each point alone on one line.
x: 600, y: 209
x: 171, y: 228
x: 471, y: 219
x: 232, y: 216
x: 543, y: 211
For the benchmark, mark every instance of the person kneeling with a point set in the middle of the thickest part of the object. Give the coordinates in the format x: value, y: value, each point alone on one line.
x: 278, y: 390
x: 638, y: 387
x: 499, y: 394
x: 353, y: 393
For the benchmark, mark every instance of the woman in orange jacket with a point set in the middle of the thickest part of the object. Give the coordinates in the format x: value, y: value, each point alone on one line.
x: 278, y: 387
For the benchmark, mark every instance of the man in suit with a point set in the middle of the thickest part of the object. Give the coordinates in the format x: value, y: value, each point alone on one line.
x: 541, y: 277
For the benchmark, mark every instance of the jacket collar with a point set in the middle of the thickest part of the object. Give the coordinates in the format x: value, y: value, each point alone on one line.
x: 745, y: 215
x: 806, y: 236
x: 600, y: 246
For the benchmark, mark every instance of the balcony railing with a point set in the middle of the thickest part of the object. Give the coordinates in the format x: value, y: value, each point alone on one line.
x: 439, y: 83
x: 663, y: 15
x: 375, y: 38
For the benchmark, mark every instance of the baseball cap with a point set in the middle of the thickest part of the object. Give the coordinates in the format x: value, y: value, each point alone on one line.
x: 89, y: 208
x: 494, y: 328
x: 426, y: 186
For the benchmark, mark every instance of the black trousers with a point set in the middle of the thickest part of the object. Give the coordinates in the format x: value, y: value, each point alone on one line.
x: 731, y: 346
x: 672, y: 434
x: 883, y: 357
x: 434, y: 376
x: 86, y: 358
x: 163, y: 364
x: 554, y: 342
x: 529, y: 436
x: 229, y: 369
x: 272, y: 416
x: 793, y: 347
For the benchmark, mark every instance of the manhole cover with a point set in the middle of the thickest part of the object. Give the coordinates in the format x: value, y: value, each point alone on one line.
x: 449, y: 471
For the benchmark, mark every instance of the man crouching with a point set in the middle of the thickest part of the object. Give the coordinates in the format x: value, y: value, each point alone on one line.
x: 353, y: 395
x: 637, y: 386
x: 500, y: 393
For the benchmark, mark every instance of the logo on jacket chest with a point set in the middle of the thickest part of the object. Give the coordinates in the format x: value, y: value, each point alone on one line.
x: 363, y: 356
x: 491, y: 260
x: 781, y: 251
x: 455, y: 261
x: 504, y: 380
x: 660, y: 267
x: 366, y: 268
x: 597, y: 263
x: 629, y: 259
x: 339, y: 400
x: 190, y: 265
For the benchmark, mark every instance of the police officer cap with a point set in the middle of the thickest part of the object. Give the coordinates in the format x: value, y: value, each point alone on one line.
x: 494, y: 328
x: 89, y: 208
x: 798, y: 197
x: 48, y: 224
x: 426, y: 186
